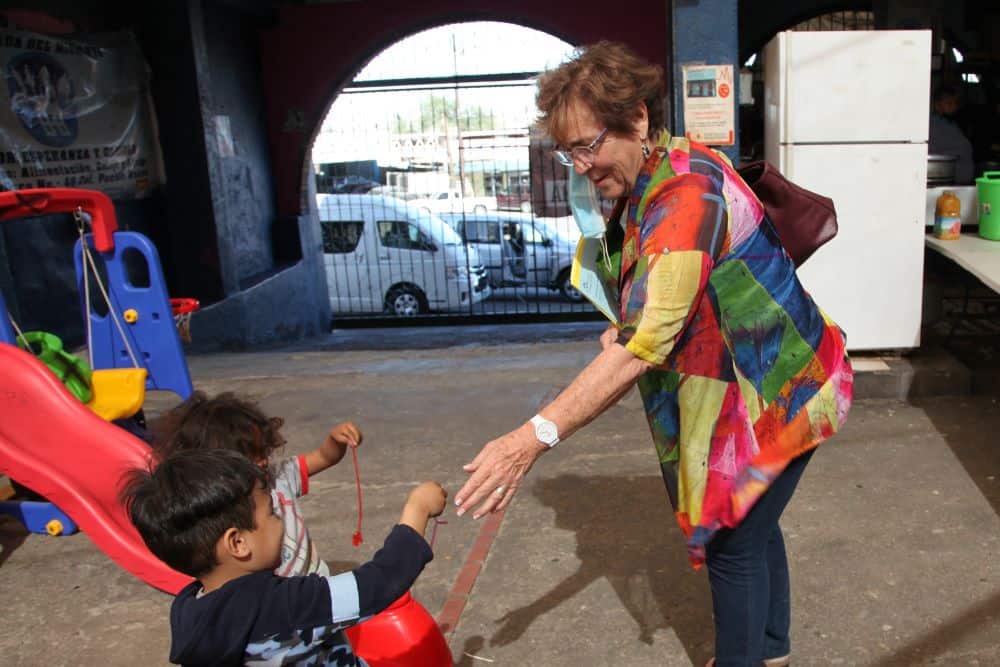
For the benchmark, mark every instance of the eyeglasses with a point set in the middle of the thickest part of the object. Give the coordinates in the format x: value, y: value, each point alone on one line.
x: 582, y: 155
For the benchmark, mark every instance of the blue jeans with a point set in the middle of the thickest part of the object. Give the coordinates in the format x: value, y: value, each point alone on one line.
x: 748, y: 573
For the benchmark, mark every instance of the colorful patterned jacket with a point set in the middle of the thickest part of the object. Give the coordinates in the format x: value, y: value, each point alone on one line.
x: 748, y: 371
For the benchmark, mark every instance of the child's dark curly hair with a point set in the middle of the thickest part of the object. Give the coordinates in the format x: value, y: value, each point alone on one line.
x: 223, y: 422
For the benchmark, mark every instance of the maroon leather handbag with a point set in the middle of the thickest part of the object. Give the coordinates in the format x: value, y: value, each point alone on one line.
x: 803, y: 219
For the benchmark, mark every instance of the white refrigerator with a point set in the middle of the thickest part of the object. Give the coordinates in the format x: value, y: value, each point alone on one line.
x: 846, y: 115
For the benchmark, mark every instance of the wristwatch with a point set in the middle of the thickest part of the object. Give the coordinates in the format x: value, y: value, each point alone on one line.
x: 545, y: 431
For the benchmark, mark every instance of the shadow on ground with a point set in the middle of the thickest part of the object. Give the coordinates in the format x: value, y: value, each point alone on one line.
x: 975, y: 620
x: 620, y: 539
x: 969, y: 424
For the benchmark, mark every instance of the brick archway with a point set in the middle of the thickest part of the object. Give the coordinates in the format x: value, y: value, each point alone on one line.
x: 314, y: 51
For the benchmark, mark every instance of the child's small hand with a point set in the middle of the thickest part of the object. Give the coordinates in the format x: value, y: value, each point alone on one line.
x: 429, y: 497
x: 346, y: 434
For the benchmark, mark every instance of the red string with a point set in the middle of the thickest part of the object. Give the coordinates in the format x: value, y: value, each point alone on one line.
x: 434, y: 533
x: 357, y: 538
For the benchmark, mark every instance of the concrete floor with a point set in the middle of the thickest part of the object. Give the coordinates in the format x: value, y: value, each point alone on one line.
x: 893, y: 535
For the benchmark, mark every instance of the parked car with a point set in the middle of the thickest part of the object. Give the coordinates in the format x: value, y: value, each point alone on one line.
x: 385, y: 255
x: 518, y: 250
x: 351, y: 184
x: 564, y: 226
x: 452, y: 201
x: 514, y: 202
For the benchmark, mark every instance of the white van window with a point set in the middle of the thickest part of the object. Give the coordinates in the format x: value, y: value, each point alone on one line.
x: 341, y: 236
x: 482, y: 231
x: 532, y: 235
x: 439, y: 228
x: 403, y: 235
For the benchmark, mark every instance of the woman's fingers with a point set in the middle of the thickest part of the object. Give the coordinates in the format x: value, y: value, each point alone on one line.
x: 481, y: 496
x: 508, y: 496
x: 493, y: 499
x: 470, y: 489
x: 492, y: 470
x: 498, y: 471
x: 483, y: 482
x: 473, y: 465
x: 489, y: 495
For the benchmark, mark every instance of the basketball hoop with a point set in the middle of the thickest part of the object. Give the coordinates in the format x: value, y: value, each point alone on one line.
x: 182, y: 309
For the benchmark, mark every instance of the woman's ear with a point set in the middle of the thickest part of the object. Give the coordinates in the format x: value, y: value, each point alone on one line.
x: 641, y: 123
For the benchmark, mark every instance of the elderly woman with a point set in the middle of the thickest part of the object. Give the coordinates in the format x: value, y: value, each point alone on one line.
x: 741, y: 374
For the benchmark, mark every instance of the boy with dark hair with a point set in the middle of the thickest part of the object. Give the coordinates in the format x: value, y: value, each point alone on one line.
x: 208, y: 513
x: 229, y: 421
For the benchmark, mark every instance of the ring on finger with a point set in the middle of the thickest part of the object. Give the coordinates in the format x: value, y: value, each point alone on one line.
x: 501, y: 491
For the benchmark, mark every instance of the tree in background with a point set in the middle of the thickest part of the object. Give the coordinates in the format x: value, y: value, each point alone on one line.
x: 441, y: 113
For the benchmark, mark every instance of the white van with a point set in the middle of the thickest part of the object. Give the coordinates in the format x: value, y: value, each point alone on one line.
x: 384, y: 255
x: 519, y: 250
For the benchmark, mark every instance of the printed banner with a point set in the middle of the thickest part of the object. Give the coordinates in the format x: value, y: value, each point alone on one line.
x: 77, y: 114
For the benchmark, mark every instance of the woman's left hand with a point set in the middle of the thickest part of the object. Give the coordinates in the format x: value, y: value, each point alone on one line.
x: 501, y: 465
x: 498, y: 470
x: 609, y: 336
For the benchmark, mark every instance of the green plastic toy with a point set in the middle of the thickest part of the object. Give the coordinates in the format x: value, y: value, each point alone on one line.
x: 71, y: 370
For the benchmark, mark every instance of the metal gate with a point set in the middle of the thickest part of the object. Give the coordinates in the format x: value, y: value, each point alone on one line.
x: 437, y: 199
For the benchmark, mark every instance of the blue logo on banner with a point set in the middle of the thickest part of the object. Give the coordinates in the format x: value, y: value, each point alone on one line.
x: 42, y: 95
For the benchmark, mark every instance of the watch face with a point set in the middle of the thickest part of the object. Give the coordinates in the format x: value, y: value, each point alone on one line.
x: 546, y: 432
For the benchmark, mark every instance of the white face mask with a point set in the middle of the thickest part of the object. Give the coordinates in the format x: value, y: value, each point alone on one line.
x: 583, y: 204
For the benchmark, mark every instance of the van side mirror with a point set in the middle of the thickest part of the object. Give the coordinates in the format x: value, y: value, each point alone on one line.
x: 546, y: 243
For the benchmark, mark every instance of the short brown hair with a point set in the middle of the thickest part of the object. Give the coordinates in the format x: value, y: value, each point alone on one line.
x: 610, y: 79
x: 223, y: 422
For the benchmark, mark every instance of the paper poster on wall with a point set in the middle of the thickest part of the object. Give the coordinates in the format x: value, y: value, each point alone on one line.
x: 77, y: 114
x: 709, y: 104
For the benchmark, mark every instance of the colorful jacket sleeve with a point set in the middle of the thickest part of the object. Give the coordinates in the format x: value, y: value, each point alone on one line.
x: 680, y: 234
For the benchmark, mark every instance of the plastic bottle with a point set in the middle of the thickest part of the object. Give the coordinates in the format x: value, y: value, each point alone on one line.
x: 948, y: 216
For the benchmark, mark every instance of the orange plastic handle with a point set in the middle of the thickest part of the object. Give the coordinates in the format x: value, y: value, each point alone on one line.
x: 43, y: 201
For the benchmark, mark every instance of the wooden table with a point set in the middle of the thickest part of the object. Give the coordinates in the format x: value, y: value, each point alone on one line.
x: 977, y: 255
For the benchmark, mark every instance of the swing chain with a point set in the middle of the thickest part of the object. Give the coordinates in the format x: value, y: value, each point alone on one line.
x: 82, y: 219
x: 87, y: 259
x: 82, y: 233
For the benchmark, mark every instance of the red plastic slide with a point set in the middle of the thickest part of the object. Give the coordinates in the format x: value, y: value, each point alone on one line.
x: 55, y: 445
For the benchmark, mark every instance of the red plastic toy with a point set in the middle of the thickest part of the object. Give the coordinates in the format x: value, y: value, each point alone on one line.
x: 403, y: 634
x: 53, y: 444
x: 26, y: 203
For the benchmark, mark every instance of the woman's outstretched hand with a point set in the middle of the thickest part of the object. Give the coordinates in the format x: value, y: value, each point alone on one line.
x: 498, y: 470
